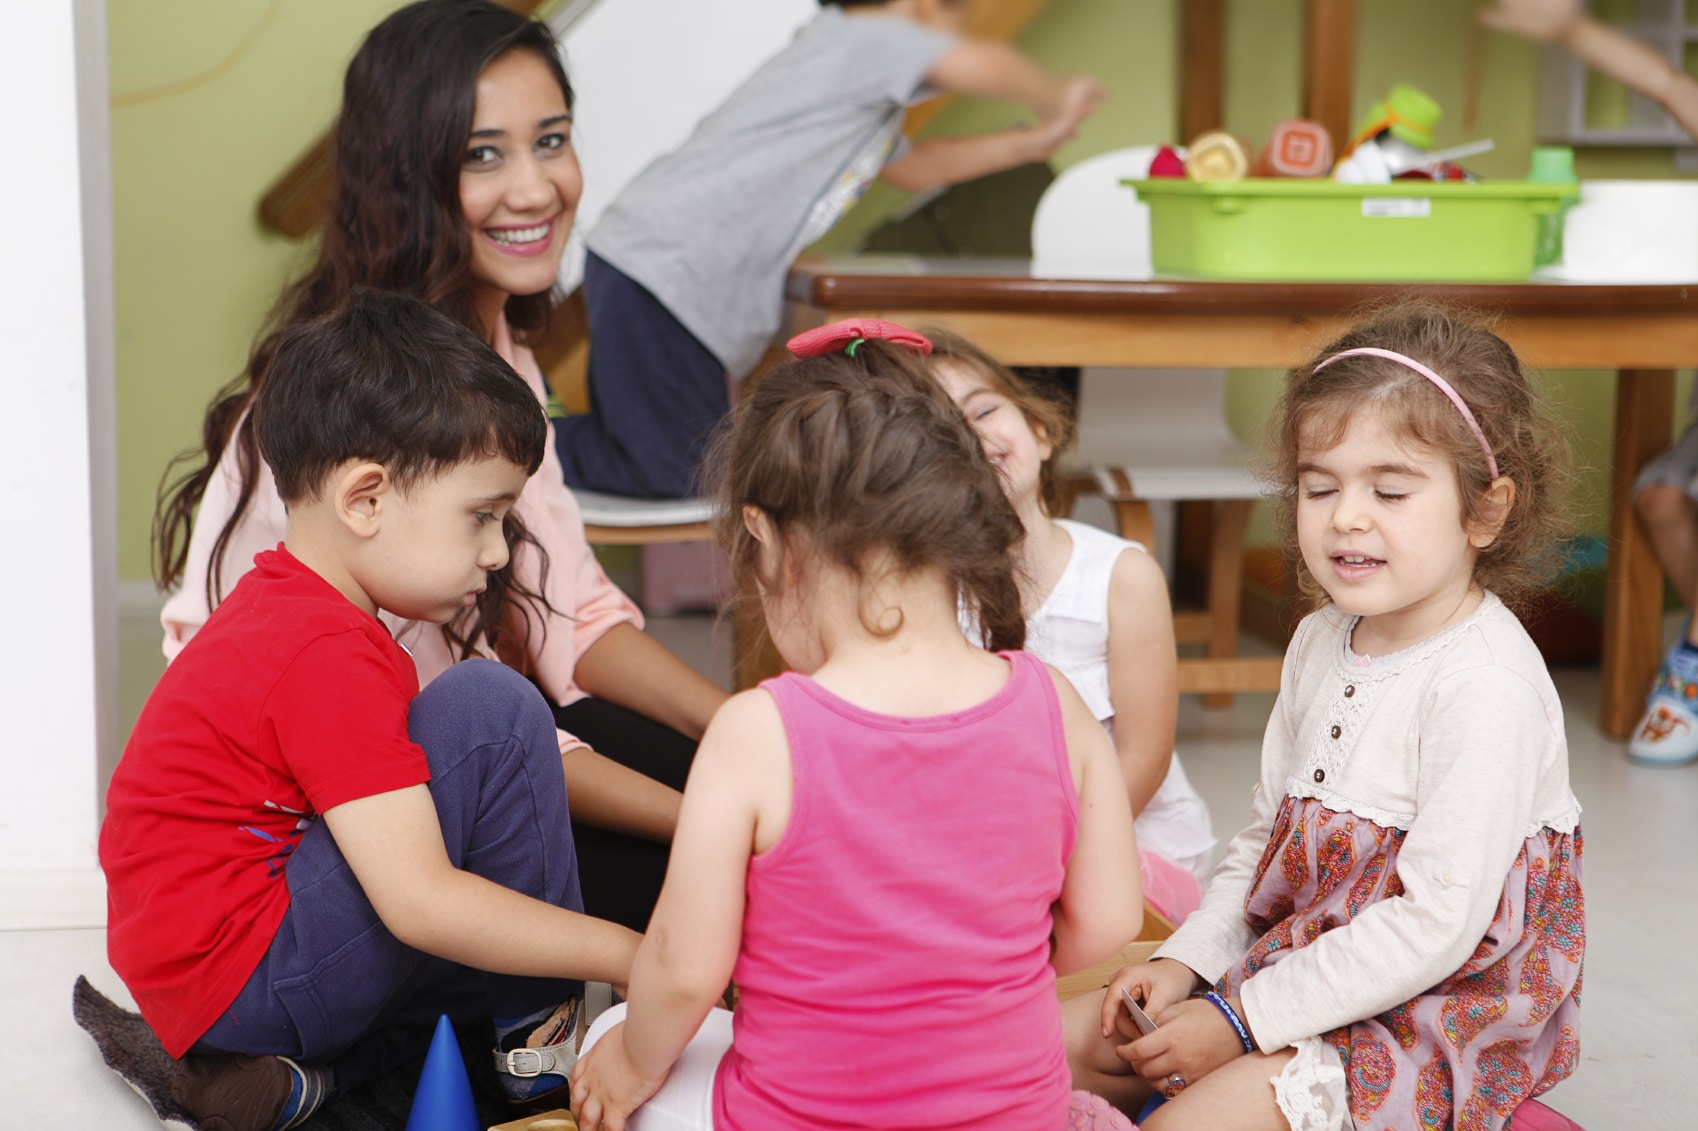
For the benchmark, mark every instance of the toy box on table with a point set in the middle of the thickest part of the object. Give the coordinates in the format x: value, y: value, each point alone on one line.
x: 1406, y: 231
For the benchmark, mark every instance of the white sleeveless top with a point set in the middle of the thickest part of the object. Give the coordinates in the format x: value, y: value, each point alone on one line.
x: 1070, y: 632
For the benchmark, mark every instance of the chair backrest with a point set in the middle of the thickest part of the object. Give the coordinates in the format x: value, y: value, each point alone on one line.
x: 1168, y: 429
x: 1090, y: 226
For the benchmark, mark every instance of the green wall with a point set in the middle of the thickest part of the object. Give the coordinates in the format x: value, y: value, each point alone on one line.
x: 213, y: 99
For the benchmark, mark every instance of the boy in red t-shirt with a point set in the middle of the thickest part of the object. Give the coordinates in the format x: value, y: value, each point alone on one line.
x: 308, y: 859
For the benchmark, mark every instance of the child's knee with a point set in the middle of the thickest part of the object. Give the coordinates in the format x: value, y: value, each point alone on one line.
x: 1663, y: 505
x: 483, y: 701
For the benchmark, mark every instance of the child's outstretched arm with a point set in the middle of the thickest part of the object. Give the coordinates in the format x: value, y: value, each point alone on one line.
x: 1102, y: 902
x: 738, y: 795
x: 393, y: 843
x: 1623, y: 58
x: 995, y: 70
x: 1143, y: 674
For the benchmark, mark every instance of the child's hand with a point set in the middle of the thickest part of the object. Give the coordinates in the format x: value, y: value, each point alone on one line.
x: 1540, y: 20
x: 1192, y: 1040
x: 1155, y: 985
x: 1080, y: 96
x: 606, y: 1087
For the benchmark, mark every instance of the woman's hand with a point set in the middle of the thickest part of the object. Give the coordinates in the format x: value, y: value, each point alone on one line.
x: 1544, y: 21
x: 1193, y: 1039
x: 606, y: 1086
x: 1155, y: 985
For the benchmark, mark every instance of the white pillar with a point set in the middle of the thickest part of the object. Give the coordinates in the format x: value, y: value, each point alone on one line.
x: 58, y: 566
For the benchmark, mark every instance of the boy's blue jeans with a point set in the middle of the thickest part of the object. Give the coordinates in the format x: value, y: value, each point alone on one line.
x: 336, y: 987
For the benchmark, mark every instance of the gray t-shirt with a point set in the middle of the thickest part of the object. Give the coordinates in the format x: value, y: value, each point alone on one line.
x: 711, y: 228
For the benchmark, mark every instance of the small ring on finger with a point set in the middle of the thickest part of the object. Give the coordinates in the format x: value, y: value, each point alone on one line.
x: 1175, y: 1085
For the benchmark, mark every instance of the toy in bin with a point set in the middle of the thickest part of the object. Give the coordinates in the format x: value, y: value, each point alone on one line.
x: 1296, y: 148
x: 1167, y: 163
x: 1405, y: 114
x: 1217, y: 156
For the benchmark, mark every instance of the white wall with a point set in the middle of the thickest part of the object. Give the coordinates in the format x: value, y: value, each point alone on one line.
x: 57, y: 478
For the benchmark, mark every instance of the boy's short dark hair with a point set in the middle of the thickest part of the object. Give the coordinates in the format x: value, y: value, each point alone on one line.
x: 387, y: 378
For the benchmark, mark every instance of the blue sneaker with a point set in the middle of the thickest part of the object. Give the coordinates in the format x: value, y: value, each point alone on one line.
x: 1667, y: 735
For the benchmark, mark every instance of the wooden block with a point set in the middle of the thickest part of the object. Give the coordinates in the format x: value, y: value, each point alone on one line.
x: 557, y: 1120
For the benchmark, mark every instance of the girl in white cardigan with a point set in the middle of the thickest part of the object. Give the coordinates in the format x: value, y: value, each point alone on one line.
x: 1396, y: 938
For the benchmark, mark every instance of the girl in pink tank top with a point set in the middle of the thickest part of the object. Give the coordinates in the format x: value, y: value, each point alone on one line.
x: 894, y: 848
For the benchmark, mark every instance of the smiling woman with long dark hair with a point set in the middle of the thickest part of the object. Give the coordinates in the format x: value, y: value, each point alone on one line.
x: 456, y: 183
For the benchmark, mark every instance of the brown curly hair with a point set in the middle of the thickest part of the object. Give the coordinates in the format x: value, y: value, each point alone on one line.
x: 866, y: 454
x: 1049, y: 417
x: 1316, y: 408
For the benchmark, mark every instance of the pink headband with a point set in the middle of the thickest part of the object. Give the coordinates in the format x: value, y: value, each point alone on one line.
x: 1443, y: 387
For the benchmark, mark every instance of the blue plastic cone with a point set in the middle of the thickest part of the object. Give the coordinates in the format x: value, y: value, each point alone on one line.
x: 443, y: 1101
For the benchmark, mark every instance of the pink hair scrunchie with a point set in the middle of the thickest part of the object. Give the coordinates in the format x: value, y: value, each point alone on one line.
x: 843, y: 337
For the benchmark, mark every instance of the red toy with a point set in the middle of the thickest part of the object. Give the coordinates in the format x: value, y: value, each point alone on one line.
x: 1167, y: 163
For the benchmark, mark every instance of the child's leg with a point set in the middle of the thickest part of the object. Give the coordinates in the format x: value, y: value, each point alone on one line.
x: 1671, y: 518
x: 1171, y: 890
x: 1667, y: 734
x: 1237, y: 1096
x: 1664, y: 493
x: 336, y: 987
x: 655, y: 394
x: 685, y: 1101
x: 1095, y: 1066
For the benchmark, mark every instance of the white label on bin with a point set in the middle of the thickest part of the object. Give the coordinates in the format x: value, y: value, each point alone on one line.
x: 1417, y: 206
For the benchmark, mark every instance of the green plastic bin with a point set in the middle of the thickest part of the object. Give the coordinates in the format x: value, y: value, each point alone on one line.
x: 1407, y: 231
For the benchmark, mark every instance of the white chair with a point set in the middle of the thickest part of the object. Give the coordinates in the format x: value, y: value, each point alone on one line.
x: 1155, y: 436
x: 1090, y: 226
x: 1160, y: 436
x: 616, y: 520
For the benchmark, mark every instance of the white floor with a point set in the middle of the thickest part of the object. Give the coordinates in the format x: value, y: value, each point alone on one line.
x: 1639, y: 1067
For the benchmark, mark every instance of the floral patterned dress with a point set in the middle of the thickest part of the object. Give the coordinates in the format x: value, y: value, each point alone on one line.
x: 1498, y: 1031
x: 1404, y: 908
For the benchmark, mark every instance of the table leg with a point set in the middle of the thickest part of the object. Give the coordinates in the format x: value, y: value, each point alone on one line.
x: 1633, y: 581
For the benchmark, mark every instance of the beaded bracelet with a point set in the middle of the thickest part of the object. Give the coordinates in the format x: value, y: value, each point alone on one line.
x: 1231, y: 1015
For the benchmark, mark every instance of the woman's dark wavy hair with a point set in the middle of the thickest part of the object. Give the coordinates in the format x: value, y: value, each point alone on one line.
x: 862, y: 455
x: 395, y: 225
x: 393, y: 380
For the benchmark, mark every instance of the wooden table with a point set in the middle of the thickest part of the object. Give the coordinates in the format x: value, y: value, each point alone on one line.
x: 1642, y: 332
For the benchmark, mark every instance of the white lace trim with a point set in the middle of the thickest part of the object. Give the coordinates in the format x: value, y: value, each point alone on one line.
x: 1310, y: 1089
x: 1562, y: 823
x: 1338, y: 803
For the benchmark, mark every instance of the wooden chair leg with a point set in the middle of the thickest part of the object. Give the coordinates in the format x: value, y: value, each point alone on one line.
x: 1133, y: 521
x: 1226, y: 584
